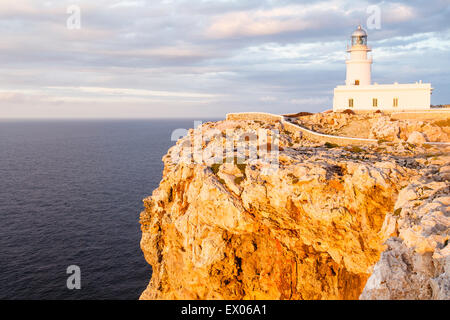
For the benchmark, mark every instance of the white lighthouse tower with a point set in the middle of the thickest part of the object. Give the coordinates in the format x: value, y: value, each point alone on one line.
x: 360, y: 94
x: 359, y: 66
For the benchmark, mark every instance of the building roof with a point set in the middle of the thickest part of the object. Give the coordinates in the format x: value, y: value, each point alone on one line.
x: 359, y: 32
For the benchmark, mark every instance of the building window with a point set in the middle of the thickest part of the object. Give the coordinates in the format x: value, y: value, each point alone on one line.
x: 356, y: 82
x: 375, y: 102
x: 395, y: 102
x: 359, y: 40
x: 350, y: 103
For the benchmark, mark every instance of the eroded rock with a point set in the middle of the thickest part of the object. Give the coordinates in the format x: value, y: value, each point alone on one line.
x: 416, y: 263
x: 315, y: 228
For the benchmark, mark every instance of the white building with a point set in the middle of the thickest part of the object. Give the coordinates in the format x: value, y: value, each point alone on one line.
x: 359, y: 93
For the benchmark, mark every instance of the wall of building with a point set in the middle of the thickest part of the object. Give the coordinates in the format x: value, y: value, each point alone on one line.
x: 358, y: 70
x: 359, y: 66
x: 410, y: 97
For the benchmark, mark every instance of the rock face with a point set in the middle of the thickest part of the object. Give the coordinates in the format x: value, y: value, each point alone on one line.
x: 403, y: 130
x: 314, y: 228
x: 417, y: 138
x: 416, y: 263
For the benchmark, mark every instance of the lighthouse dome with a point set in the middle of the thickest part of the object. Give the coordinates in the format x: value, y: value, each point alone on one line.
x: 359, y: 32
x: 359, y: 36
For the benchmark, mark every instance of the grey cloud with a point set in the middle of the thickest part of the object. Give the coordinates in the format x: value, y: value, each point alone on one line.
x: 165, y: 45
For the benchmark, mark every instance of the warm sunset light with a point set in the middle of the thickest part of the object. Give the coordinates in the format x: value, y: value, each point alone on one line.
x: 225, y: 159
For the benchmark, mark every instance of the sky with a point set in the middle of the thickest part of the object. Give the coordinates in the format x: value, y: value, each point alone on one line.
x: 205, y: 58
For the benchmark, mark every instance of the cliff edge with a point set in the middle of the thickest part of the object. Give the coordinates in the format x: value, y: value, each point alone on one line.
x: 320, y: 222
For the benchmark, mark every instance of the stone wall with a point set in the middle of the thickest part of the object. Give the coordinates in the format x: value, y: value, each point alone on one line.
x: 254, y: 116
x: 294, y: 129
x: 320, y: 137
x: 418, y: 115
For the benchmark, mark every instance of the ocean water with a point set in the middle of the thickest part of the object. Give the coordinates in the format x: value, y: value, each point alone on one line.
x: 70, y: 194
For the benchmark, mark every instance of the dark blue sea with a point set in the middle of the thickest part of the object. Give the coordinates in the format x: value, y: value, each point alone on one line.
x: 70, y: 194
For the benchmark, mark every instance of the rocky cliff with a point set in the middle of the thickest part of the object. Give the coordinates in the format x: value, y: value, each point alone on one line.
x: 328, y: 222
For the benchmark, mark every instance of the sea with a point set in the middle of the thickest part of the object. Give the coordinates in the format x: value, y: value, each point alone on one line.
x: 71, y: 193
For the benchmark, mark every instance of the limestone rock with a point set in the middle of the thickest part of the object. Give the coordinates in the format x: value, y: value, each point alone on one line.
x: 416, y: 263
x: 313, y: 228
x: 378, y: 126
x: 384, y: 129
x: 401, y: 130
x: 416, y: 138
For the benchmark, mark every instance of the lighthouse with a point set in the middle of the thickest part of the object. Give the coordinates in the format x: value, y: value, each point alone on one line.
x: 360, y: 94
x: 359, y: 65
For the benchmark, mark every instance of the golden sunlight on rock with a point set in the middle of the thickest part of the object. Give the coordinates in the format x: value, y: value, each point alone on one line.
x: 330, y: 223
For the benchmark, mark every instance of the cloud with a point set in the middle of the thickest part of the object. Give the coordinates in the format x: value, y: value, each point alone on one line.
x: 122, y: 4
x: 255, y: 24
x: 162, y: 57
x: 277, y: 20
x: 134, y: 92
x: 398, y: 12
x: 310, y: 101
x: 268, y: 99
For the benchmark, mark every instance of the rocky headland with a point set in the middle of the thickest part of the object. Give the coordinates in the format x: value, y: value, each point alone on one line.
x: 367, y: 221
